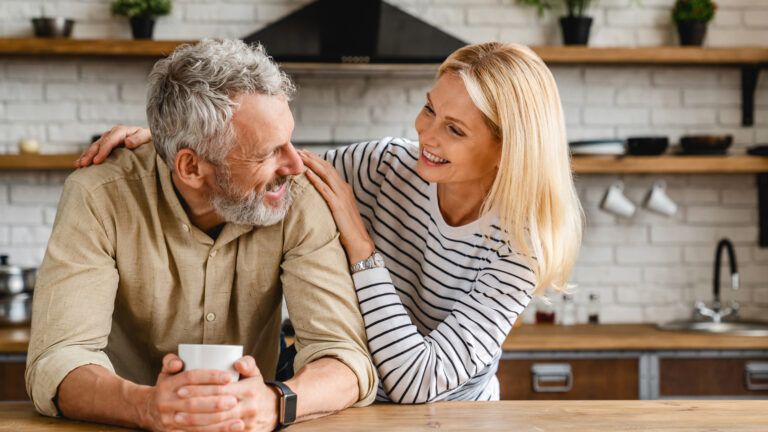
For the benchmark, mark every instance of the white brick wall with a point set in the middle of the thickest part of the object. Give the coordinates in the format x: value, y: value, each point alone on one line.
x: 646, y: 269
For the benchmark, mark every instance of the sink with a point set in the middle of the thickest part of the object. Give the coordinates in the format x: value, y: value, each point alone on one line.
x: 738, y: 328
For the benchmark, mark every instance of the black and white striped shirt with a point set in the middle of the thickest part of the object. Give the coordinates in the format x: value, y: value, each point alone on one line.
x: 437, y: 315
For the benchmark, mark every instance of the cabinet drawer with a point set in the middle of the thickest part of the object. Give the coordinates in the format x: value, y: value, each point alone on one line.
x: 12, y: 386
x: 545, y: 379
x: 713, y: 377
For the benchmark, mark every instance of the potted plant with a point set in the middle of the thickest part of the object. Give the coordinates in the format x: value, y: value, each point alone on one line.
x: 691, y: 17
x: 575, y: 25
x: 142, y: 14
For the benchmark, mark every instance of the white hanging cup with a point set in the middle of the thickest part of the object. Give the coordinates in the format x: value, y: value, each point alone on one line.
x: 658, y: 201
x: 614, y: 201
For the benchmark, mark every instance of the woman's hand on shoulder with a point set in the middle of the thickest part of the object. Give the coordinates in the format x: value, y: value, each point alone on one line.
x: 341, y: 200
x: 130, y: 136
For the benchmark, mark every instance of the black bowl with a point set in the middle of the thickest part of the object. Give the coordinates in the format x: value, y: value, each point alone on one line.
x: 53, y: 27
x: 647, y: 146
x: 706, y: 144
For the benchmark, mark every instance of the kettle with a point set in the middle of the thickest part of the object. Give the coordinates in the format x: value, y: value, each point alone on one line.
x: 11, y: 278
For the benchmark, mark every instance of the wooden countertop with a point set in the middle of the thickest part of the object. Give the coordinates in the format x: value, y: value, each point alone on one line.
x: 14, y: 340
x: 574, y: 416
x: 615, y: 337
x: 621, y: 337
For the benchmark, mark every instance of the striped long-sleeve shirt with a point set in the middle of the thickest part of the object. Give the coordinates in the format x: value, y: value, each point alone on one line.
x: 437, y: 315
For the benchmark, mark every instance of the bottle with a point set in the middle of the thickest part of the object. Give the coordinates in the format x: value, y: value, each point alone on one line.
x: 568, y: 315
x: 545, y: 313
x: 593, y: 309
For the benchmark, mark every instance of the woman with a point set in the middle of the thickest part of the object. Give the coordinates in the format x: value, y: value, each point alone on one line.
x: 470, y: 221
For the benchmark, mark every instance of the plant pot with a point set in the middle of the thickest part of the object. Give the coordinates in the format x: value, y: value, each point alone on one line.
x: 692, y: 33
x: 142, y: 27
x: 575, y: 29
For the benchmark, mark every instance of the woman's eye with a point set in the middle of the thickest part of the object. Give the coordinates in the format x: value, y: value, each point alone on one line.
x: 456, y: 131
x: 429, y: 109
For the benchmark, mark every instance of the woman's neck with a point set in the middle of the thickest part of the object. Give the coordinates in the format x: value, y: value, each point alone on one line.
x: 460, y: 203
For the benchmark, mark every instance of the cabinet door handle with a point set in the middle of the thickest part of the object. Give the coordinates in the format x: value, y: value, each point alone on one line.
x: 551, y: 377
x: 756, y: 376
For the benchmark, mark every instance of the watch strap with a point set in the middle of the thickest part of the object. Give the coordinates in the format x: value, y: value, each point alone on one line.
x: 373, y: 261
x: 286, y: 414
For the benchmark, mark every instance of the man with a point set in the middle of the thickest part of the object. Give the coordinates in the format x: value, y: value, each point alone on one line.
x: 196, y: 243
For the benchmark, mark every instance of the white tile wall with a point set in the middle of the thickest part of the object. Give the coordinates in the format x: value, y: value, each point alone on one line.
x: 646, y: 269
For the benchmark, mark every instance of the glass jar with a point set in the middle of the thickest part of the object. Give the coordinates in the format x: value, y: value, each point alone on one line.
x: 568, y: 314
x: 593, y: 309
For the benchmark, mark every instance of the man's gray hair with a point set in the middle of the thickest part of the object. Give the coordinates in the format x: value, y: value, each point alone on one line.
x: 190, y: 98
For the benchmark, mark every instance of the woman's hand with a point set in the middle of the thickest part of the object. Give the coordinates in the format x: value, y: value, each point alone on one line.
x: 131, y: 136
x: 341, y: 200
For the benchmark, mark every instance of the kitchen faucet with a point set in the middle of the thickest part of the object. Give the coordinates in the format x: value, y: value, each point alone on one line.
x: 716, y: 312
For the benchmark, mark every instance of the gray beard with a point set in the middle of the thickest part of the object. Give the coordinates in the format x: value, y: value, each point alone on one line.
x: 251, y: 208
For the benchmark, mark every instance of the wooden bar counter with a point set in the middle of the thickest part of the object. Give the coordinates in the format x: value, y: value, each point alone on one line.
x: 551, y: 338
x: 572, y: 416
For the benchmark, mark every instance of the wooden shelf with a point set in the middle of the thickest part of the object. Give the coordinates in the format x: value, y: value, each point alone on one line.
x: 581, y: 164
x: 87, y: 47
x: 53, y: 162
x: 551, y: 54
x: 669, y: 164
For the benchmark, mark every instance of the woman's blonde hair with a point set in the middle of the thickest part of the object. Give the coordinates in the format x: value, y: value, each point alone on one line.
x: 533, y: 193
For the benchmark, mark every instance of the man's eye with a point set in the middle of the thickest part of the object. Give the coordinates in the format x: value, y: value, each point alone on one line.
x: 429, y: 109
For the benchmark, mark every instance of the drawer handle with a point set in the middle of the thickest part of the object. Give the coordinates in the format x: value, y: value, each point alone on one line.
x: 552, y: 377
x: 756, y: 376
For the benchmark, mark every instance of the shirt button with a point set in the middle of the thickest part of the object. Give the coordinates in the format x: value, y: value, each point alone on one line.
x: 210, y: 317
x: 212, y: 254
x: 185, y: 227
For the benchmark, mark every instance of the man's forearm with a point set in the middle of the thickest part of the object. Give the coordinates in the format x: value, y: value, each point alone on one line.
x: 95, y: 394
x: 323, y: 387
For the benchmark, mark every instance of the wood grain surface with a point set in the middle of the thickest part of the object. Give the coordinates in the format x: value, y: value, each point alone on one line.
x: 571, y: 416
x: 552, y: 338
x: 581, y: 164
x: 621, y: 337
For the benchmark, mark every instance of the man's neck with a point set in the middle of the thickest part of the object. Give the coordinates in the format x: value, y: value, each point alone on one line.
x: 198, y: 207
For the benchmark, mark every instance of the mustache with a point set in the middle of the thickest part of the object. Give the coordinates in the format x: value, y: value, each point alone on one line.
x: 276, y: 183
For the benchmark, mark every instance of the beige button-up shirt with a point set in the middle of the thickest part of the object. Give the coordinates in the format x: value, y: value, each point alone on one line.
x: 127, y: 277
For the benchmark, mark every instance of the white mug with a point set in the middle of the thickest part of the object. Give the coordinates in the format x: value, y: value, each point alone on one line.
x: 219, y: 357
x: 657, y: 200
x: 614, y: 201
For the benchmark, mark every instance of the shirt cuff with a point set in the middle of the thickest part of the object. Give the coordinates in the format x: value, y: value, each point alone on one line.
x: 349, y: 354
x: 46, y: 374
x: 371, y: 283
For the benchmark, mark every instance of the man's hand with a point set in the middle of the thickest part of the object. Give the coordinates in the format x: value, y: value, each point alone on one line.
x: 257, y: 403
x: 196, y: 400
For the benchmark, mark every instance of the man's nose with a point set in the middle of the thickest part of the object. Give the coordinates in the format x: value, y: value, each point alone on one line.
x: 291, y: 163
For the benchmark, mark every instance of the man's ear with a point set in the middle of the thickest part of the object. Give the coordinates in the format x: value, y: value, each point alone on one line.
x: 190, y: 168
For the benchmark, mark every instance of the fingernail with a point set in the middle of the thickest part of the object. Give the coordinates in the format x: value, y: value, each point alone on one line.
x: 179, y: 418
x: 183, y: 392
x: 237, y: 426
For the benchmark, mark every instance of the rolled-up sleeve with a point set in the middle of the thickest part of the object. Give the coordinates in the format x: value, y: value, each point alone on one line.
x: 74, y: 298
x: 319, y: 291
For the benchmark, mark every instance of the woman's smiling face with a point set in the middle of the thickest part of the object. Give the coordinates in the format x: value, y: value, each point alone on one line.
x: 456, y: 144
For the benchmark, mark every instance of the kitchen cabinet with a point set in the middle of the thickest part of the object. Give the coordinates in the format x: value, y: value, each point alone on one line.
x: 685, y: 376
x: 569, y: 379
x: 12, y: 387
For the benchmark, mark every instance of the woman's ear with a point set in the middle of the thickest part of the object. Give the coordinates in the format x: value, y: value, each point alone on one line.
x: 190, y: 168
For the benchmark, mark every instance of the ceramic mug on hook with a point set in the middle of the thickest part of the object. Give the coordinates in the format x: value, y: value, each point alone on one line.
x: 658, y: 201
x: 614, y: 201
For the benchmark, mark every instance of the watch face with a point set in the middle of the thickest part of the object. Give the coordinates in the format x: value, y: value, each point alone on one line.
x: 378, y: 261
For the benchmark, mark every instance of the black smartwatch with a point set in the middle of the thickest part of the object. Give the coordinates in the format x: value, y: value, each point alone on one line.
x: 286, y: 412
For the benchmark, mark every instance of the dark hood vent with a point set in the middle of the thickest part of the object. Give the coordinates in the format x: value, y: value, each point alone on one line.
x: 354, y: 31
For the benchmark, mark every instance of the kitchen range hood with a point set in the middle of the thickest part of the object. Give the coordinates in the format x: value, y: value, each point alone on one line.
x: 354, y: 31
